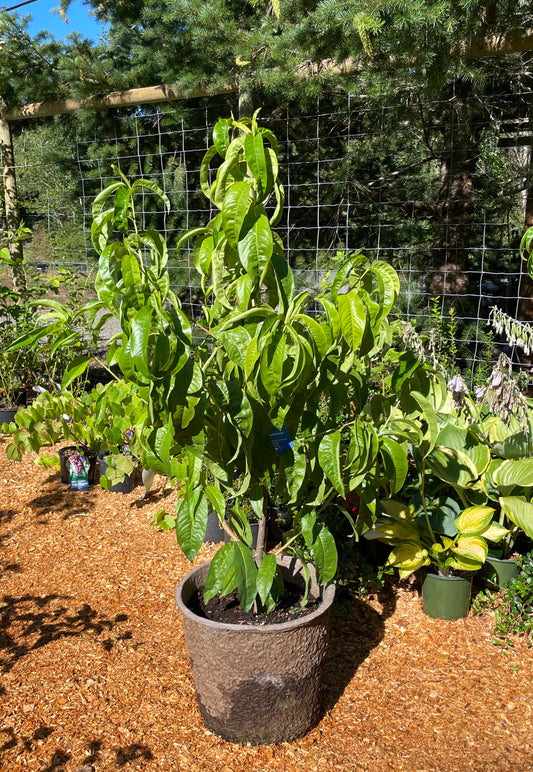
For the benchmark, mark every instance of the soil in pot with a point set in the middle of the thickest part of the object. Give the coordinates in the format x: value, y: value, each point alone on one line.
x: 227, y: 608
x: 258, y: 684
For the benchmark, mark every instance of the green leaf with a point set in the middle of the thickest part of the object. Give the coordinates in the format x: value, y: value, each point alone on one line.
x: 74, y: 369
x: 257, y: 500
x: 329, y: 459
x: 257, y: 161
x: 429, y: 416
x: 245, y: 575
x: 271, y: 365
x: 121, y: 208
x: 138, y: 342
x: 236, y: 205
x: 255, y: 246
x: 153, y: 188
x: 204, y: 172
x: 395, y: 461
x: 191, y: 521
x: 221, y: 135
x: 352, y: 315
x: 265, y: 577
x: 102, y: 197
x: 519, y: 512
x: 307, y: 524
x: 221, y: 574
x: 389, y: 285
x: 216, y: 497
x: 325, y: 556
x: 316, y: 331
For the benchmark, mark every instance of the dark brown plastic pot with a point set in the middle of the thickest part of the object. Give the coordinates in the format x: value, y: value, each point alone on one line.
x: 258, y: 684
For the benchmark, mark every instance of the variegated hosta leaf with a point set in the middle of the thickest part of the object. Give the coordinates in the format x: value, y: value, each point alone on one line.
x: 408, y: 557
x: 519, y: 512
x: 395, y: 531
x: 513, y: 473
x: 471, y: 547
x: 474, y: 520
x: 495, y: 532
x: 397, y: 509
x: 452, y: 466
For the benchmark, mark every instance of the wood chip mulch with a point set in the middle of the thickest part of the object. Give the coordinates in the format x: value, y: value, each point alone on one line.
x: 94, y: 673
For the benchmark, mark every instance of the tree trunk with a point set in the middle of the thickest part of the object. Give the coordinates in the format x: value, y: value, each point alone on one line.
x: 462, y: 134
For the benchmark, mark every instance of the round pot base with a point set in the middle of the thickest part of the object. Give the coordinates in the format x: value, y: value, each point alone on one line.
x: 446, y: 597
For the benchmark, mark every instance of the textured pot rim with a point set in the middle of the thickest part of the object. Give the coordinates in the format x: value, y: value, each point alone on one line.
x: 328, y: 594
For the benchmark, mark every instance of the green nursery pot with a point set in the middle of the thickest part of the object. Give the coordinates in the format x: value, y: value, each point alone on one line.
x: 499, y: 571
x: 446, y: 597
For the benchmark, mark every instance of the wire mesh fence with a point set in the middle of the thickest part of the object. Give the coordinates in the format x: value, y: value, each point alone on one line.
x: 437, y: 188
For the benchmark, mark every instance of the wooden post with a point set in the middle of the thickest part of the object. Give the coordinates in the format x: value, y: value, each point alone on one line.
x: 12, y: 216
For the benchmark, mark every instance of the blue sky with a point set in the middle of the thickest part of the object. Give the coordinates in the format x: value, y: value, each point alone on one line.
x: 43, y: 19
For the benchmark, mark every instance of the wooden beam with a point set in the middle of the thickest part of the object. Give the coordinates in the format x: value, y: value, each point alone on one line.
x: 133, y: 96
x: 499, y: 45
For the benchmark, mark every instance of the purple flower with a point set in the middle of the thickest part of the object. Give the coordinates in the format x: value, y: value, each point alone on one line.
x: 497, y: 376
x: 457, y: 385
x: 480, y: 392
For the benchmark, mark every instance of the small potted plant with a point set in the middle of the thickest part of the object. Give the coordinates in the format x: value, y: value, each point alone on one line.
x: 55, y: 417
x: 470, y: 489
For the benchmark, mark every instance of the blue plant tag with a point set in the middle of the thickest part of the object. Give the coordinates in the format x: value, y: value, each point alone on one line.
x: 281, y: 439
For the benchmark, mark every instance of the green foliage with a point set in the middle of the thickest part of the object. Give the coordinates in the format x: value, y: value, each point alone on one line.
x: 103, y: 418
x: 513, y: 606
x: 273, y: 400
x: 23, y: 360
x: 415, y: 543
x: 477, y: 467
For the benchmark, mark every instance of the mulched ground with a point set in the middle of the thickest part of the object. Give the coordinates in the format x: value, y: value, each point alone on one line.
x: 94, y: 673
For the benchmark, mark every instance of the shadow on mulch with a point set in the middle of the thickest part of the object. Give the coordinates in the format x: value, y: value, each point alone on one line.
x: 61, y: 499
x: 6, y: 517
x: 123, y: 755
x: 356, y: 629
x: 29, y: 622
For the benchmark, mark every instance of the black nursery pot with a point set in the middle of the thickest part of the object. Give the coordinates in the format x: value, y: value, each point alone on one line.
x: 64, y: 455
x: 7, y: 414
x: 214, y: 533
x: 128, y: 483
